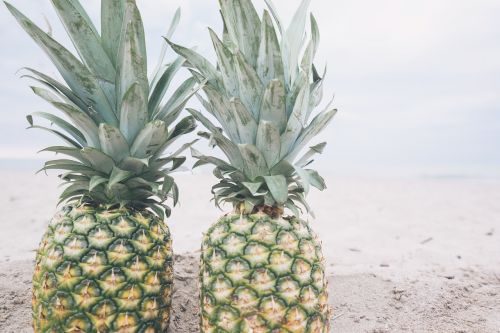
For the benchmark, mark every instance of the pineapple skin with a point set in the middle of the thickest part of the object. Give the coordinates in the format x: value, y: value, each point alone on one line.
x: 103, y: 270
x: 262, y: 274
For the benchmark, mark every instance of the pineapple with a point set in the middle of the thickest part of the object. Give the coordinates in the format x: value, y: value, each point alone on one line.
x: 262, y: 271
x: 105, y: 263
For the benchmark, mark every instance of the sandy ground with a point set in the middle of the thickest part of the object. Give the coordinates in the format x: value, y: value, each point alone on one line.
x: 406, y: 255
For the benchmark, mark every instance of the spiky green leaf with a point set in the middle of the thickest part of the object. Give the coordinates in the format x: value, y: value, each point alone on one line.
x: 117, y: 175
x: 274, y: 12
x: 55, y: 85
x: 293, y: 40
x: 171, y: 110
x: 273, y: 104
x: 227, y: 65
x: 112, y: 13
x: 76, y: 75
x: 96, y: 181
x: 243, y: 26
x: 302, y: 179
x: 314, y: 34
x: 85, y: 37
x: 246, y: 124
x: 315, y: 127
x: 316, y: 180
x: 98, y: 160
x: 250, y: 86
x: 171, y: 29
x: 149, y: 139
x: 132, y: 66
x: 268, y: 142
x: 253, y: 187
x: 61, y: 123
x: 68, y: 151
x: 133, y: 112
x: 113, y: 143
x: 160, y: 88
x: 198, y: 62
x: 317, y: 149
x: 63, y: 136
x: 221, y: 110
x: 254, y: 163
x: 269, y: 62
x: 278, y: 187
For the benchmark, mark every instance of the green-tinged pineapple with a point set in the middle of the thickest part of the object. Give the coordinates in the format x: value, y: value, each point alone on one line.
x: 103, y: 270
x: 261, y: 271
x: 105, y: 263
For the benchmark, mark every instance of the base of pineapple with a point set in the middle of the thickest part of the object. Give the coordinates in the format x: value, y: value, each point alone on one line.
x: 100, y: 270
x: 262, y: 274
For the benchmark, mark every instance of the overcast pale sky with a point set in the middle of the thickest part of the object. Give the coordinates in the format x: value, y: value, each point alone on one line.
x: 417, y: 83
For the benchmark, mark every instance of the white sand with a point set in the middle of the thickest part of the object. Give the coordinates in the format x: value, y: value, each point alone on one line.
x: 415, y: 255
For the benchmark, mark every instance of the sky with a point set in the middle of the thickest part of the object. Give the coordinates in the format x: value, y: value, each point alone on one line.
x: 416, y: 83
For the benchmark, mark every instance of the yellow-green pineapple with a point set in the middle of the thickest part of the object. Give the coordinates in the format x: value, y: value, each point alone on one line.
x: 260, y: 270
x: 105, y: 263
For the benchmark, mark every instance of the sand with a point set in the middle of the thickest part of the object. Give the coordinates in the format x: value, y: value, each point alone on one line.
x: 362, y: 302
x: 403, y: 255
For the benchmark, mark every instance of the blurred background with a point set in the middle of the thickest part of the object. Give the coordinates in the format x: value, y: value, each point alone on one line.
x: 414, y: 147
x: 417, y: 83
x: 413, y: 151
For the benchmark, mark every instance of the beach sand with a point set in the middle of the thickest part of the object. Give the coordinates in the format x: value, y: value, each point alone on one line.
x: 403, y: 255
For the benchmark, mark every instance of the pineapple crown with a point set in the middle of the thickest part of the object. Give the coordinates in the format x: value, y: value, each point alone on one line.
x: 114, y: 121
x: 262, y: 92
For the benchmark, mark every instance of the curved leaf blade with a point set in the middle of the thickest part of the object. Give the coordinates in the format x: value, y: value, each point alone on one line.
x: 117, y: 176
x: 226, y: 64
x: 112, y: 13
x: 250, y: 85
x: 160, y: 88
x: 63, y: 136
x: 98, y: 160
x: 113, y: 143
x: 269, y: 62
x: 84, y: 36
x: 149, y: 139
x: 132, y: 67
x: 76, y: 75
x: 96, y: 181
x: 198, y: 62
x: 246, y: 124
x: 173, y: 26
x: 274, y: 104
x: 133, y: 113
x: 61, y: 123
x: 243, y: 26
x: 278, y: 187
x: 254, y: 163
x: 315, y: 127
x: 268, y: 142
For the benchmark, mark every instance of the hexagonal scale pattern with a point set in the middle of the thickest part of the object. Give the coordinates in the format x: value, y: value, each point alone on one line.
x: 100, y: 270
x: 260, y: 274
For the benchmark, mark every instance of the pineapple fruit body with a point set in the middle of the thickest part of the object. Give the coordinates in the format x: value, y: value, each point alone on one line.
x: 262, y: 274
x: 103, y: 270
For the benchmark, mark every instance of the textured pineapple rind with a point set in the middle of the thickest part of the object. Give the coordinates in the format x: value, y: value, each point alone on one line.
x: 259, y: 274
x: 100, y: 270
